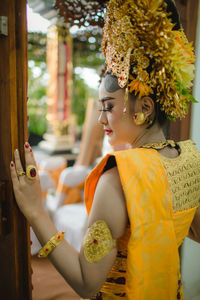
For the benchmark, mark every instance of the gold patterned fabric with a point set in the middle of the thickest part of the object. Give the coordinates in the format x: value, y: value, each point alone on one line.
x: 114, y: 286
x: 183, y: 174
x: 147, y: 265
x: 98, y: 241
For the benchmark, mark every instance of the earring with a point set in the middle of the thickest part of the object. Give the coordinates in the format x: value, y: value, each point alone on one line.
x: 139, y: 118
x: 149, y: 121
x: 124, y: 110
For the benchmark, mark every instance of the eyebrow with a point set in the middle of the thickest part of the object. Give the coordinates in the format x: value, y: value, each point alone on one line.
x: 106, y: 99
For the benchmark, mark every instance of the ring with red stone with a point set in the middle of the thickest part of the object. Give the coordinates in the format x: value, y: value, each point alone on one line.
x: 31, y: 172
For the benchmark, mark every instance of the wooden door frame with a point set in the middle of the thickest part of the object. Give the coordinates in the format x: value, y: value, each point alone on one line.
x: 15, y: 275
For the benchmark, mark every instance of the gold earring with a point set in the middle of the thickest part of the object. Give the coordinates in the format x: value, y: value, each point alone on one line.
x: 139, y: 118
x: 149, y: 121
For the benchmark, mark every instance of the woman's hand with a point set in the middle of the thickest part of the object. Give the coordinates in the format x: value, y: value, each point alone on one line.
x: 27, y: 191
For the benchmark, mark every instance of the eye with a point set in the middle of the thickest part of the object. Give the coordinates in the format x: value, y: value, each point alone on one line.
x: 108, y: 107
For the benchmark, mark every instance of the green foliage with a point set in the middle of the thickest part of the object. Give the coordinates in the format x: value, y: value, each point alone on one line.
x: 185, y: 92
x: 37, y: 106
x: 81, y: 94
x: 37, y: 117
x: 171, y: 118
x: 37, y: 42
x: 88, y: 43
x: 86, y: 53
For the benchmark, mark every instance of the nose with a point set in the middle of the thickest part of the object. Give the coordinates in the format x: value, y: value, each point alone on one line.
x: 102, y: 118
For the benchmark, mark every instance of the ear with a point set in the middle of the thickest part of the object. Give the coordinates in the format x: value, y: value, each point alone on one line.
x: 146, y: 105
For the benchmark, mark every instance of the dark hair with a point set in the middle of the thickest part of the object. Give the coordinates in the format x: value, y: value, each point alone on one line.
x: 174, y: 15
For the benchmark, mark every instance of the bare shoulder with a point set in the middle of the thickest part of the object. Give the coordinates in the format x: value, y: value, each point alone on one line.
x: 109, y: 203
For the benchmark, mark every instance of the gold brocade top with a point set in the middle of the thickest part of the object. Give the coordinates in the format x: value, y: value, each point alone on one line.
x: 162, y: 195
x: 183, y: 173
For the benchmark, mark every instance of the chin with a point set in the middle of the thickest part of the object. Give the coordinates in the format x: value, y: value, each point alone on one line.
x: 116, y: 143
x: 112, y: 142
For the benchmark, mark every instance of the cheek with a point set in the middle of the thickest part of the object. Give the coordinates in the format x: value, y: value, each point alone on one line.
x: 117, y: 113
x: 121, y: 125
x: 115, y: 118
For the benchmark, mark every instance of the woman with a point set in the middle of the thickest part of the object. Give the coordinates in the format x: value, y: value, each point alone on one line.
x: 141, y: 201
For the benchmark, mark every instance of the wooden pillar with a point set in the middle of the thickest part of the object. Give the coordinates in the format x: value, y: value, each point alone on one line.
x: 15, y: 272
x: 188, y: 10
x: 59, y: 63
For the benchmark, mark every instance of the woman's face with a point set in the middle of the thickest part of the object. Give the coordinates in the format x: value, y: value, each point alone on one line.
x: 119, y: 127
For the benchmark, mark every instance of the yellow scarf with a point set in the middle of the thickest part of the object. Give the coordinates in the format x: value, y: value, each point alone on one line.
x: 153, y: 267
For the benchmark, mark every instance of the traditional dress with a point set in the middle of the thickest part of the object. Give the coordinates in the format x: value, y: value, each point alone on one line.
x: 162, y: 195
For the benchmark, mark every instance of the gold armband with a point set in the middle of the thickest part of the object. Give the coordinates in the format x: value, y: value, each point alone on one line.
x: 98, y: 242
x: 51, y: 244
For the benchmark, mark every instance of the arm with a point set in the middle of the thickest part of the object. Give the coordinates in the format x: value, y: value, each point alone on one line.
x: 84, y: 277
x: 194, y: 232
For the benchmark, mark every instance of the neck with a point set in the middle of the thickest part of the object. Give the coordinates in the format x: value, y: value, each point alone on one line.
x: 147, y: 136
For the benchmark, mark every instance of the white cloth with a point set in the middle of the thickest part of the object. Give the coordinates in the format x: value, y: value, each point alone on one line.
x: 45, y: 181
x: 52, y: 163
x: 71, y: 218
x: 70, y: 177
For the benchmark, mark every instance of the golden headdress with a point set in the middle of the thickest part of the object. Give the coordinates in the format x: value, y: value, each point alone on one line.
x: 147, y: 55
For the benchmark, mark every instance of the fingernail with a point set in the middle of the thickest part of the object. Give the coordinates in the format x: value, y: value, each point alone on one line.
x: 31, y: 150
x: 12, y: 164
x: 27, y: 145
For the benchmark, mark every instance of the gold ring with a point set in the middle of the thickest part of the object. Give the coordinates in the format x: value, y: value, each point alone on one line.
x: 31, y: 172
x: 21, y: 173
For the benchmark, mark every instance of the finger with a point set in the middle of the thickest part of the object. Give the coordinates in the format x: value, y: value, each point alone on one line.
x: 30, y: 161
x: 18, y: 164
x: 13, y: 173
x: 29, y: 157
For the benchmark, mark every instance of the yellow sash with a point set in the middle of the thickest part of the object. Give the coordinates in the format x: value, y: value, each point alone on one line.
x: 153, y: 268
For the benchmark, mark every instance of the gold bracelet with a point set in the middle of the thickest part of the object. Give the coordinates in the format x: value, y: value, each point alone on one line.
x: 51, y: 244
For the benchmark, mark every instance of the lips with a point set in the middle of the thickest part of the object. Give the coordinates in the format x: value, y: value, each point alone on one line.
x: 108, y: 131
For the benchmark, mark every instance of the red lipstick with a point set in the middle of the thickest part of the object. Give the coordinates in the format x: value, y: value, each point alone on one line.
x: 108, y: 131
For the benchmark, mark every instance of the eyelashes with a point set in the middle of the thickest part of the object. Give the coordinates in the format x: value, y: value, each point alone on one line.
x: 109, y: 108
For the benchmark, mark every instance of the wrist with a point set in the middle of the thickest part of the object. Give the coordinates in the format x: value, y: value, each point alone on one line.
x: 36, y: 215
